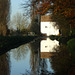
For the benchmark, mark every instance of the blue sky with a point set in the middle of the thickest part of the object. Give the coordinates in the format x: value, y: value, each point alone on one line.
x: 16, y: 6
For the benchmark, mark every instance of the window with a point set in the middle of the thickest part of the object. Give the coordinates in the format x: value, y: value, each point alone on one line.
x: 45, y: 26
x: 45, y: 46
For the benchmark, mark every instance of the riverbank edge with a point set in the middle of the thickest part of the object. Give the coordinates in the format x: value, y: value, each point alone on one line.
x: 10, y: 42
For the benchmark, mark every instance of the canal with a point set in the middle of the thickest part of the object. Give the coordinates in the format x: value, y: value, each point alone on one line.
x: 41, y: 56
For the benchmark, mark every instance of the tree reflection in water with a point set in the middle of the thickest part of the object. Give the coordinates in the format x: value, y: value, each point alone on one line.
x: 32, y: 64
x: 39, y: 66
x: 61, y: 62
x: 34, y: 47
x: 4, y: 65
x: 20, y: 52
x: 20, y: 60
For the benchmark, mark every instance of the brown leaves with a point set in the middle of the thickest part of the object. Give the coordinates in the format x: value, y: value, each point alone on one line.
x: 65, y: 8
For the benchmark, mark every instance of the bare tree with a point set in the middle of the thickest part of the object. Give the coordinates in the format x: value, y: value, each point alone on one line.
x: 29, y: 7
x: 18, y: 22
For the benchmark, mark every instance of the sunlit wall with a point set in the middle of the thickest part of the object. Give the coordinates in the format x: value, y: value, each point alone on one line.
x: 49, y: 28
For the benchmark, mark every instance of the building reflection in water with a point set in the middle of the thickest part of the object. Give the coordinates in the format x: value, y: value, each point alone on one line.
x: 35, y: 59
x: 26, y: 59
x: 47, y: 48
x: 39, y: 66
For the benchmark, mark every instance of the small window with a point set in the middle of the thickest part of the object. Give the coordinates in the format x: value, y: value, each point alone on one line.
x: 45, y: 26
x: 45, y: 46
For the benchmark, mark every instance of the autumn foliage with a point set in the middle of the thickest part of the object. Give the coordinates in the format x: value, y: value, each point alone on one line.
x: 65, y: 8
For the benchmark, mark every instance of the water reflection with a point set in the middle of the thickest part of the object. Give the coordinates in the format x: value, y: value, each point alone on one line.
x: 4, y: 65
x: 39, y: 66
x: 20, y: 60
x: 25, y: 60
x: 20, y: 52
x: 47, y: 48
x: 30, y: 59
x: 61, y: 62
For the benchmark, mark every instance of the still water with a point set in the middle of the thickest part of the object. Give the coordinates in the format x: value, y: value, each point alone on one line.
x: 34, y: 58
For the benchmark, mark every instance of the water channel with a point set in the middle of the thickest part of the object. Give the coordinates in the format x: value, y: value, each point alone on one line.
x: 42, y: 56
x: 34, y: 58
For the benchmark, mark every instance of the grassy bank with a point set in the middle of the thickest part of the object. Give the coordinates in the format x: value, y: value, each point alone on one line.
x: 9, y: 42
